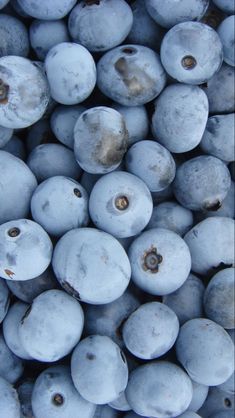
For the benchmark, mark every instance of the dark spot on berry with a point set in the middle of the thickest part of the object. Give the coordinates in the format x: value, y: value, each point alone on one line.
x: 90, y: 356
x: 227, y: 403
x: 13, y: 232
x: 188, y: 62
x: 58, y: 399
x: 77, y: 192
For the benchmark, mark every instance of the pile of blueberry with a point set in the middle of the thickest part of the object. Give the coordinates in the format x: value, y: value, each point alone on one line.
x: 117, y: 208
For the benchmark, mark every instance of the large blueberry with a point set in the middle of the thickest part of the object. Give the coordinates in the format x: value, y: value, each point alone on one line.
x: 46, y: 34
x: 47, y: 9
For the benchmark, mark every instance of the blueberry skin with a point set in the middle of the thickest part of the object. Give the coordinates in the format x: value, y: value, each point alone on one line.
x: 150, y: 386
x: 39, y: 133
x: 226, y: 34
x: 160, y: 261
x: 227, y: 208
x: 47, y: 9
x: 25, y: 250
x: 88, y: 181
x: 25, y: 390
x: 200, y: 393
x: 189, y: 414
x: 131, y: 75
x: 180, y: 117
x: 49, y: 160
x: 211, y: 244
x: 220, y: 90
x: 219, y: 298
x: 105, y: 411
x: 202, y: 183
x: 121, y: 204
x: 100, y: 26
x: 187, y: 301
x: 223, y: 414
x: 5, y: 135
x: 46, y: 34
x: 62, y: 122
x: 100, y: 139
x: 17, y: 185
x: 59, y: 204
x: 218, y: 401
x: 136, y: 121
x: 151, y: 330
x: 108, y: 319
x: 71, y: 73
x: 54, y: 396
x: 226, y: 5
x: 11, y: 366
x: 52, y: 327
x: 97, y: 362
x: 191, y: 52
x: 206, y: 351
x: 11, y: 329
x: 120, y: 404
x: 229, y: 385
x: 85, y: 259
x: 9, y: 402
x: 25, y: 92
x: 3, y: 3
x: 152, y: 163
x: 14, y: 37
x: 4, y: 299
x: 16, y: 147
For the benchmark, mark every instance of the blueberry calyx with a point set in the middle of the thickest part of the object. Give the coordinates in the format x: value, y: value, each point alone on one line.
x: 213, y: 206
x: 151, y: 260
x: 188, y: 62
x: 77, y: 192
x: 4, y: 89
x: 121, y: 203
x: 57, y: 399
x: 13, y: 232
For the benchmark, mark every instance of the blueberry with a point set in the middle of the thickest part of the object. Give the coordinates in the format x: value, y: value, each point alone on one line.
x: 200, y: 393
x: 169, y: 13
x: 226, y: 34
x: 131, y: 75
x: 211, y: 244
x: 22, y: 243
x: 25, y: 390
x: 100, y: 25
x: 100, y: 139
x: 191, y: 52
x: 120, y: 404
x: 16, y: 147
x: 49, y: 160
x: 24, y: 92
x: 91, y: 265
x: 223, y: 414
x: 105, y: 411
x: 187, y: 301
x: 39, y: 133
x: 226, y: 5
x: 5, y: 135
x: 151, y: 162
x: 71, y: 73
x: 206, y: 351
x: 151, y: 330
x: 97, y: 362
x: 46, y: 34
x: 3, y: 3
x: 17, y: 186
x: 121, y: 204
x: 47, y: 9
x: 229, y: 385
x: 4, y: 299
x: 14, y: 37
x: 160, y: 261
x: 202, y: 183
x: 180, y: 117
x: 152, y: 385
x: 63, y: 120
x: 88, y: 181
x: 11, y: 366
x: 189, y: 414
x: 55, y: 396
x: 218, y: 402
x: 52, y: 326
x: 162, y: 195
x: 9, y: 402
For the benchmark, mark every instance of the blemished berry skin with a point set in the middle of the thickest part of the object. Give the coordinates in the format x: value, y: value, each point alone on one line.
x: 49, y: 160
x: 5, y: 135
x: 206, y: 351
x: 226, y: 5
x: 11, y: 366
x: 46, y: 34
x: 62, y: 122
x: 187, y: 301
x: 25, y: 390
x: 180, y: 117
x: 11, y: 329
x: 144, y: 30
x: 218, y: 137
x: 202, y: 183
x: 91, y: 265
x: 220, y: 90
x: 9, y: 402
x: 21, y: 108
x: 59, y: 204
x: 227, y: 208
x: 219, y: 298
x: 71, y: 73
x: 191, y: 52
x: 14, y: 37
x: 16, y: 147
x: 4, y: 299
x: 97, y: 362
x: 131, y: 75
x: 160, y: 261
x: 25, y: 251
x: 47, y: 9
x: 121, y: 204
x: 108, y: 319
x: 105, y: 411
x: 150, y: 386
x: 152, y: 163
x: 17, y: 186
x: 218, y: 404
x: 200, y: 393
x: 100, y: 26
x: 151, y: 330
x: 171, y: 215
x: 54, y: 396
x: 100, y: 139
x: 52, y: 327
x: 211, y: 244
x: 120, y: 404
x: 226, y: 34
x: 136, y: 121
